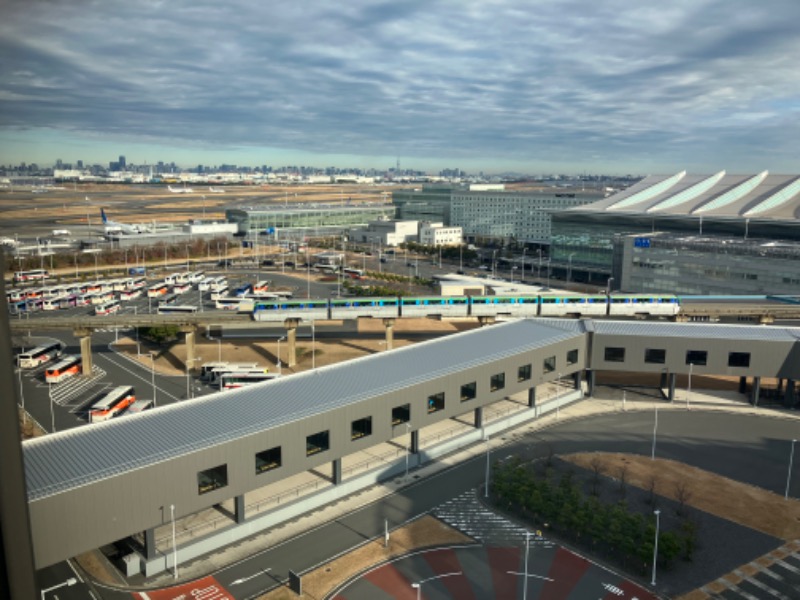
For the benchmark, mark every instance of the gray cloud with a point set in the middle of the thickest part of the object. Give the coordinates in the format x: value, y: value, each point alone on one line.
x: 513, y: 80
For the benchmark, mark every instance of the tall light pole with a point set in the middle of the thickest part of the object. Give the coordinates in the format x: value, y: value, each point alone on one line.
x: 488, y: 451
x: 280, y: 367
x: 22, y: 397
x: 608, y: 285
x: 789, y: 474
x: 70, y: 581
x: 524, y: 251
x: 689, y: 385
x: 174, y: 546
x: 408, y: 447
x: 418, y: 585
x: 657, y: 513
x: 153, y: 374
x: 52, y: 410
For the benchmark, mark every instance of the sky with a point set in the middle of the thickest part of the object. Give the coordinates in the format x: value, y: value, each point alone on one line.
x: 529, y: 86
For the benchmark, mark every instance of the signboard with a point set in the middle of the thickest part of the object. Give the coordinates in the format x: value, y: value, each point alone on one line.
x: 641, y: 242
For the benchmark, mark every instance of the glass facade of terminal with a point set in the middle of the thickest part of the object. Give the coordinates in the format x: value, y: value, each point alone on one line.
x: 319, y: 220
x: 431, y: 203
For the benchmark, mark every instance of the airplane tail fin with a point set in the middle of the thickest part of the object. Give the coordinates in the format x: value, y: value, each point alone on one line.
x: 103, y: 216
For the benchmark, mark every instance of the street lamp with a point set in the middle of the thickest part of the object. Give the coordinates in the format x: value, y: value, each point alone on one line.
x: 408, y: 447
x: 789, y: 474
x: 418, y: 585
x: 524, y: 251
x: 68, y: 582
x: 655, y: 548
x: 280, y: 368
x: 174, y: 547
x: 153, y: 373
x: 52, y: 411
x: 488, y: 451
x: 608, y: 285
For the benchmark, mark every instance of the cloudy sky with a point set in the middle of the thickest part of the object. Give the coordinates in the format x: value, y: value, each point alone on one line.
x: 615, y: 86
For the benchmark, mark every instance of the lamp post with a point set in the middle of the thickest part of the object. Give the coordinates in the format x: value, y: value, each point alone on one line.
x: 52, y: 410
x: 418, y: 585
x: 608, y: 285
x: 408, y: 447
x: 488, y: 451
x: 494, y: 263
x: 70, y: 581
x: 174, y: 546
x: 153, y: 374
x: 280, y: 368
x: 789, y: 474
x: 689, y: 385
x: 22, y: 397
x: 524, y: 251
x: 655, y: 548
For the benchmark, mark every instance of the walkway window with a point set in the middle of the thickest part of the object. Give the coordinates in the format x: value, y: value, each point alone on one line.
x: 549, y: 364
x: 524, y: 373
x: 401, y: 414
x: 572, y: 357
x: 436, y: 402
x: 469, y: 391
x: 319, y: 442
x: 655, y: 356
x: 212, y: 479
x: 615, y: 354
x: 268, y: 460
x: 497, y: 382
x: 361, y: 428
x: 738, y: 359
x: 696, y: 357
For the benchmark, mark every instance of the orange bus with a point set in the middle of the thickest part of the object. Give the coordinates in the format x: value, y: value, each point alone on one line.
x: 63, y: 369
x: 112, y: 404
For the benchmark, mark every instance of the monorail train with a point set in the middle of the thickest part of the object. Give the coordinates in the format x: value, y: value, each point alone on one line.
x: 622, y: 305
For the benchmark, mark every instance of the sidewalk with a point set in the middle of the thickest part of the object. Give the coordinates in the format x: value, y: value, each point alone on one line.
x: 607, y: 400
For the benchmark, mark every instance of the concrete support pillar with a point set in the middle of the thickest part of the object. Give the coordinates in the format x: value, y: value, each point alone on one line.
x: 150, y: 543
x: 486, y: 320
x: 478, y: 417
x: 238, y: 508
x: 85, y: 336
x: 756, y: 391
x: 532, y: 397
x: 336, y: 468
x: 742, y: 385
x: 389, y: 325
x: 671, y: 394
x: 415, y: 442
x: 189, y: 332
x: 590, y: 379
x: 788, y: 397
x: 663, y: 383
x: 576, y: 380
x: 291, y: 341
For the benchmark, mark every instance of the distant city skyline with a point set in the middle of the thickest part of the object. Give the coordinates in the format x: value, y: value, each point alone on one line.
x: 526, y: 86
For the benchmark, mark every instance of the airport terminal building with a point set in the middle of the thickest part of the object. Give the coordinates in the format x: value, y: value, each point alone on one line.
x: 688, y: 234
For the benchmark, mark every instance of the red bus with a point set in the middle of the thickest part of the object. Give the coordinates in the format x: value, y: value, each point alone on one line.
x: 34, y: 275
x: 112, y: 404
x: 65, y: 368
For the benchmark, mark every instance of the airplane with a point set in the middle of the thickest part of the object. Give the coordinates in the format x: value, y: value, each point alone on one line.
x: 216, y: 190
x: 116, y: 227
x: 183, y: 190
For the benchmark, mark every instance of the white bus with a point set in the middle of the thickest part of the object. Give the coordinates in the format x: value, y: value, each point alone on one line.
x: 103, y: 297
x: 39, y: 355
x: 215, y: 374
x: 181, y: 288
x: 261, y: 287
x: 52, y: 303
x: 219, y: 283
x: 112, y: 404
x: 68, y: 366
x: 33, y: 275
x: 157, y: 290
x: 139, y: 406
x: 220, y: 293
x: 230, y: 381
x: 170, y: 309
x: 205, y: 285
x: 197, y: 277
x: 107, y: 308
x: 126, y: 295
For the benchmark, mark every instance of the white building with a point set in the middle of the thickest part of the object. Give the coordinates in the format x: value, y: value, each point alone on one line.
x: 386, y: 233
x: 436, y: 234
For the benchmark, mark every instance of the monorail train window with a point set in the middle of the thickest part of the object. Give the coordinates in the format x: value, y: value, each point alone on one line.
x: 497, y: 382
x: 738, y: 359
x: 656, y: 356
x: 572, y: 357
x: 268, y: 460
x: 212, y: 479
x: 436, y: 402
x: 401, y: 414
x: 469, y: 391
x: 696, y: 357
x: 361, y: 428
x: 318, y: 442
x: 614, y: 354
x: 524, y: 373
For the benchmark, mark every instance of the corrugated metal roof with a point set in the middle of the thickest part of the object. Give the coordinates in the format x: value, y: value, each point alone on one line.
x: 79, y: 456
x: 698, y: 330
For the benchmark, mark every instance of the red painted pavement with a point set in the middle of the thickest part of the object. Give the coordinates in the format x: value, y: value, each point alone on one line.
x: 631, y: 590
x: 207, y: 588
x: 502, y: 560
x: 446, y: 561
x: 566, y: 570
x: 392, y: 581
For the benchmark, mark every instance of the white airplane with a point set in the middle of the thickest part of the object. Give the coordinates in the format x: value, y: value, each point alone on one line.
x: 183, y: 190
x: 116, y: 227
x: 216, y: 190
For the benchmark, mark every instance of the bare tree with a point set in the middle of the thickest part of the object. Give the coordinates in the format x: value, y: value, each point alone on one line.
x: 652, y: 483
x: 598, y: 468
x: 622, y: 473
x: 682, y: 494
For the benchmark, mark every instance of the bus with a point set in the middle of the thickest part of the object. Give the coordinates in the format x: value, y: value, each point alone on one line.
x: 33, y: 275
x: 39, y: 355
x: 129, y: 294
x: 112, y: 404
x: 15, y: 295
x: 120, y: 285
x: 103, y: 297
x: 230, y: 381
x: 197, y: 277
x: 68, y: 366
x: 168, y: 299
x: 159, y: 289
x: 218, y: 283
x: 107, y: 308
x: 220, y: 293
x: 207, y: 368
x: 353, y: 273
x: 70, y: 301
x: 85, y: 299
x: 51, y: 303
x: 205, y: 285
x: 237, y: 304
x: 138, y: 283
x: 139, y: 406
x: 171, y: 309
x: 216, y: 373
x: 243, y: 290
x: 323, y: 268
x: 181, y: 288
x: 261, y: 287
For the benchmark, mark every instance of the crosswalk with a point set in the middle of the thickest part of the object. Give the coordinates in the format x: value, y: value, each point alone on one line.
x: 775, y: 576
x: 74, y: 388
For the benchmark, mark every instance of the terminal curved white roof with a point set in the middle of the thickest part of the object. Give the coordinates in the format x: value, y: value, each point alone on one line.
x: 756, y: 195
